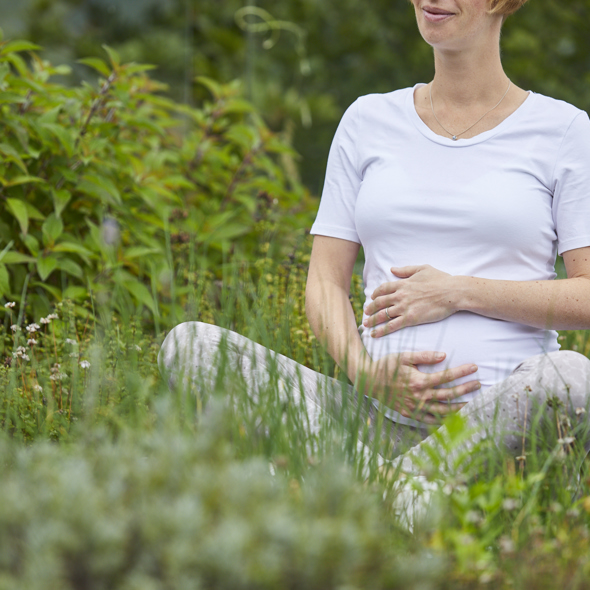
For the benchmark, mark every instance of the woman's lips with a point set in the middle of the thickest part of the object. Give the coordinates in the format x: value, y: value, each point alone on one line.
x: 436, y: 17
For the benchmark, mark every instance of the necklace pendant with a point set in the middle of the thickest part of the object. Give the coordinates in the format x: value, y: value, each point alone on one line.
x: 454, y: 138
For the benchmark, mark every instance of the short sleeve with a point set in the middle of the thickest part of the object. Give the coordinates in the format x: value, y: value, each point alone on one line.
x: 335, y: 217
x: 571, y: 193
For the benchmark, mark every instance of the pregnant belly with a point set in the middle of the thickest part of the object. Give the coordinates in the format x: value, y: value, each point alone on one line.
x: 495, y: 346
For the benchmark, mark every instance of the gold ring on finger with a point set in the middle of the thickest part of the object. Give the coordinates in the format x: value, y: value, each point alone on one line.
x: 387, y: 313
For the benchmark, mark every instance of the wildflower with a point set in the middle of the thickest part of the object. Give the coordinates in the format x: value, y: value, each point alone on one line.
x: 52, y: 316
x: 138, y: 348
x: 509, y: 504
x: 568, y: 440
x: 580, y: 411
x: 73, y: 354
x: 15, y: 328
x: 45, y: 321
x: 72, y: 342
x: 25, y: 357
x: 31, y: 342
x: 57, y: 376
x: 56, y: 367
x: 37, y: 388
x: 85, y: 364
x: 10, y: 305
x: 32, y: 328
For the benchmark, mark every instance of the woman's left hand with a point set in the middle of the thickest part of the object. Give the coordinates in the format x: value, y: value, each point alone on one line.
x: 425, y: 295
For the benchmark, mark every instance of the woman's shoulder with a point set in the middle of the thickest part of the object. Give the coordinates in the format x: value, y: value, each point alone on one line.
x: 395, y: 98
x: 554, y: 111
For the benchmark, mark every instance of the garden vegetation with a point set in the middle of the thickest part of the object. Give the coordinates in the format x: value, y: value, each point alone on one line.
x: 125, y: 212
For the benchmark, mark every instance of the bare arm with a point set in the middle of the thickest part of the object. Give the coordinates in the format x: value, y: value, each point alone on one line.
x: 394, y: 379
x: 429, y: 295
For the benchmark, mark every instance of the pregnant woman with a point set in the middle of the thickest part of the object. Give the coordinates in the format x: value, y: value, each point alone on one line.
x: 461, y: 193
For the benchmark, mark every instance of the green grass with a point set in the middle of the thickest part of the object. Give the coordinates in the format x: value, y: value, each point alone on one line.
x: 110, y: 480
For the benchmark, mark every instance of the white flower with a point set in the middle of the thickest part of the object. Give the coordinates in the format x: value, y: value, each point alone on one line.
x: 15, y: 328
x: 45, y: 321
x: 568, y: 440
x: 72, y: 342
x: 138, y: 348
x: 31, y: 342
x: 52, y: 316
x: 74, y: 354
x: 55, y: 368
x: 32, y: 328
x: 37, y: 388
x: 10, y: 305
x: 25, y: 357
x: 57, y: 376
x: 85, y: 364
x: 580, y: 411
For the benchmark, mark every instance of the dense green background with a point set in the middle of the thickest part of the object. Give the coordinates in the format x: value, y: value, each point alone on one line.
x: 351, y: 48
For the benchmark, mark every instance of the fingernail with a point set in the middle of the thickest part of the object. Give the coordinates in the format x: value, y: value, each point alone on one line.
x: 478, y: 386
x: 374, y: 334
x: 439, y: 356
x: 474, y: 368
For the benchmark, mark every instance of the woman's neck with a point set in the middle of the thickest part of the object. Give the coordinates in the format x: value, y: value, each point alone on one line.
x: 465, y: 80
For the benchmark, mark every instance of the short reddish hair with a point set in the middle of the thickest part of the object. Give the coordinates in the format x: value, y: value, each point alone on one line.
x: 505, y: 7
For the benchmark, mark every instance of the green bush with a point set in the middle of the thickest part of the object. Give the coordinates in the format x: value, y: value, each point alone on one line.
x: 170, y: 511
x: 99, y: 185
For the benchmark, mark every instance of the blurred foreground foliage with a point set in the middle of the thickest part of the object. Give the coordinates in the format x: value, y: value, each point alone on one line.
x: 99, y: 185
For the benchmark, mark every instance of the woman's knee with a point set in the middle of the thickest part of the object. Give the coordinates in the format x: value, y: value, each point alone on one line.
x: 187, y: 341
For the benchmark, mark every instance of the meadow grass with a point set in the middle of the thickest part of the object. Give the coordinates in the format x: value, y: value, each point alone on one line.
x: 112, y: 480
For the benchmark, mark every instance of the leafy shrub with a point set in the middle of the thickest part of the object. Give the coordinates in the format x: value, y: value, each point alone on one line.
x: 98, y: 185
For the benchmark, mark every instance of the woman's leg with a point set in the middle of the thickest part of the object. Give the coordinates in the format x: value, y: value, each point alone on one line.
x: 548, y: 391
x: 191, y: 353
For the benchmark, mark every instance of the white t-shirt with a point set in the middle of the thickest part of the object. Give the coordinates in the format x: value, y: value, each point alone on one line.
x: 500, y: 205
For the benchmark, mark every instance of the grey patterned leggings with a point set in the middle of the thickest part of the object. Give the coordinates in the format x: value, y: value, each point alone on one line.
x: 553, y: 388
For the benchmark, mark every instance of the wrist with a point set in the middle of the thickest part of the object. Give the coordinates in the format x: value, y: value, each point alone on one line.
x: 461, y: 293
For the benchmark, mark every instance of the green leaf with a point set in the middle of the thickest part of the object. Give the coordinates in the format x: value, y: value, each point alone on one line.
x: 63, y: 135
x: 74, y: 292
x: 4, y: 280
x: 46, y: 265
x: 19, y: 210
x: 113, y: 56
x: 97, y: 64
x: 140, y: 292
x: 211, y: 85
x: 70, y: 267
x: 11, y: 98
x: 19, y: 45
x: 52, y: 229
x: 140, y: 252
x: 134, y: 68
x: 60, y: 200
x: 18, y: 180
x: 8, y: 151
x: 73, y: 248
x: 17, y: 258
x: 32, y: 244
x: 33, y: 212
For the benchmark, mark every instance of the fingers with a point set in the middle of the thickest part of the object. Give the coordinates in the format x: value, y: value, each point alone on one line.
x: 450, y: 393
x: 382, y: 290
x: 421, y: 358
x: 406, y: 271
x: 431, y: 413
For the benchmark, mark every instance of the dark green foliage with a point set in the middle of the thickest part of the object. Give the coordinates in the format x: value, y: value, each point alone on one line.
x: 99, y: 185
x: 353, y: 48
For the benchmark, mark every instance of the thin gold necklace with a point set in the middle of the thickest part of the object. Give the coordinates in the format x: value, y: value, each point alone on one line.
x: 456, y: 136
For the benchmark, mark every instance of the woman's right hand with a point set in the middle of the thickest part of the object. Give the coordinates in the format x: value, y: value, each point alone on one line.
x: 396, y: 382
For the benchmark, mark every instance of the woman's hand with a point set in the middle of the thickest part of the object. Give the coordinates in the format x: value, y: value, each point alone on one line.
x: 395, y: 381
x: 425, y: 295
